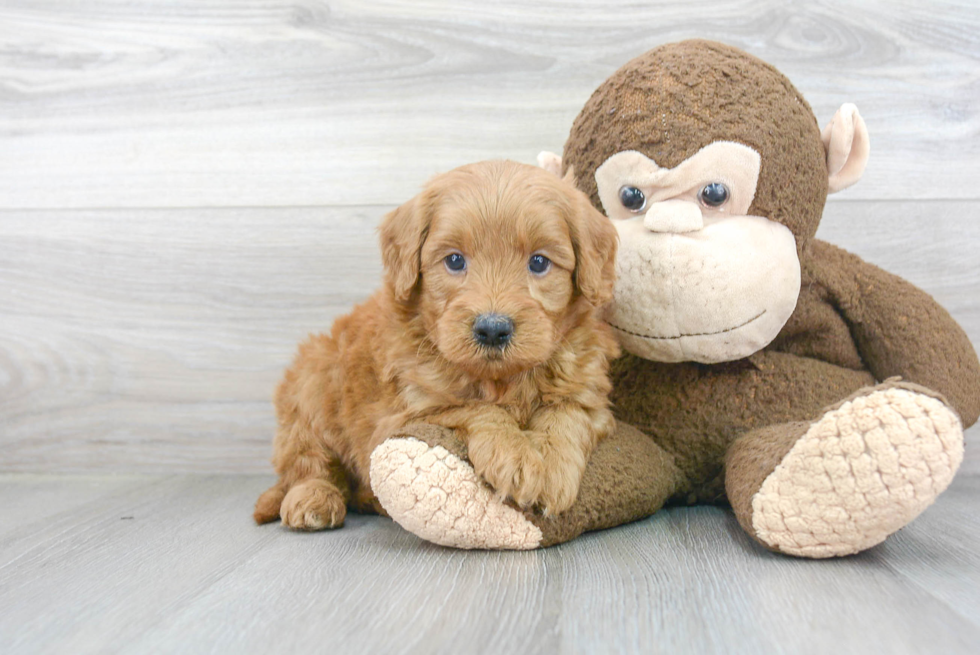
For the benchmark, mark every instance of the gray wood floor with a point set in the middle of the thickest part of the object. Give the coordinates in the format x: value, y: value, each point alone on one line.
x: 188, y: 188
x: 172, y: 563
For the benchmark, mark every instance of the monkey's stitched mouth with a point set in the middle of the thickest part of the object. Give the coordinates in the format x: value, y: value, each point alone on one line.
x: 695, y: 334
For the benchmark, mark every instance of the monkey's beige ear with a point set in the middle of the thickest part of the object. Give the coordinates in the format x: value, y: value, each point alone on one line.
x: 402, y: 233
x: 845, y: 140
x: 550, y: 162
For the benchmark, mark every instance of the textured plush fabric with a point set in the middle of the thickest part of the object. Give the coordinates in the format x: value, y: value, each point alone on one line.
x: 845, y: 139
x: 431, y: 490
x: 426, y: 484
x: 898, y: 329
x: 740, y: 163
x: 695, y: 412
x: 864, y: 470
x: 750, y: 460
x: 673, y: 100
x: 672, y: 315
x: 854, y: 326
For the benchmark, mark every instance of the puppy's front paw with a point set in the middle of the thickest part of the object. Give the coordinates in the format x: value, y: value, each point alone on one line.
x: 562, y: 478
x: 313, y: 505
x: 515, y: 470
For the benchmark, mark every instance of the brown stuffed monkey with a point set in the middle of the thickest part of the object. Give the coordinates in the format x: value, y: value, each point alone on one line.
x: 821, y: 396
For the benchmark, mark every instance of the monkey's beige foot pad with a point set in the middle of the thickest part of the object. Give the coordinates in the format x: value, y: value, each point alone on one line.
x: 439, y: 497
x: 858, y: 474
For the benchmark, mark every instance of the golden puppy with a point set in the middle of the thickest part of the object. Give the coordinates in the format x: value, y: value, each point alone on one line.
x: 487, y: 322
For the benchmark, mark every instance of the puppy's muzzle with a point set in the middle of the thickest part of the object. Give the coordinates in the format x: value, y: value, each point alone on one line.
x: 493, y: 330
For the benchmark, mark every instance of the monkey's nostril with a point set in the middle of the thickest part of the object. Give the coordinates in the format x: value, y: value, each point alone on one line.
x: 493, y: 330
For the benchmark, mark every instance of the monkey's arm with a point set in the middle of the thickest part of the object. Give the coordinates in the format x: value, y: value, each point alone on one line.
x: 900, y: 329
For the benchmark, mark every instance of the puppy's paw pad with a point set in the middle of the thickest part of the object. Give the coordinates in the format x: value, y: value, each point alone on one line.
x: 439, y: 497
x: 313, y: 505
x: 861, y: 472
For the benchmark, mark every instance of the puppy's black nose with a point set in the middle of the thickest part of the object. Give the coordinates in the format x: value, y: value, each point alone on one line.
x: 493, y: 330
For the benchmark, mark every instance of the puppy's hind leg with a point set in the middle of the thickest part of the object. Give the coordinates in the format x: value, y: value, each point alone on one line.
x: 268, y: 504
x: 313, y: 490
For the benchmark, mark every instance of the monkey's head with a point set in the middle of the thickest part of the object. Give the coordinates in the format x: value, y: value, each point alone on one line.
x: 713, y: 170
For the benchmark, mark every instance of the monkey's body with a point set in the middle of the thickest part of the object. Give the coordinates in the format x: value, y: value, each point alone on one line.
x: 828, y: 351
x: 811, y: 437
x: 701, y: 410
x: 695, y: 413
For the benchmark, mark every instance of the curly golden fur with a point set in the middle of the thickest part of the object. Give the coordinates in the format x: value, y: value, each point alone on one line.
x: 531, y: 410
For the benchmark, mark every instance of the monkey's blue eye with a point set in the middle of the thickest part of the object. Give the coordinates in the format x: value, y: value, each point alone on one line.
x: 714, y: 194
x: 538, y: 264
x: 632, y: 198
x: 455, y: 262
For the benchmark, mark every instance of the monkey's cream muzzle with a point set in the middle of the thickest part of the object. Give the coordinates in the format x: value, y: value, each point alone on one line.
x: 694, y: 282
x: 717, y: 294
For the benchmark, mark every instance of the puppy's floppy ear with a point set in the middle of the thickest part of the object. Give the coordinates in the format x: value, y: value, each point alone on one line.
x: 569, y: 177
x: 402, y: 233
x: 595, y: 241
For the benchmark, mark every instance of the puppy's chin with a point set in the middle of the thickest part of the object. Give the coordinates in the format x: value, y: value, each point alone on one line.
x: 498, y: 366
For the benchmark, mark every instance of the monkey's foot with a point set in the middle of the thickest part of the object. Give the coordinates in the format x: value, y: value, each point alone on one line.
x: 437, y: 496
x: 859, y: 473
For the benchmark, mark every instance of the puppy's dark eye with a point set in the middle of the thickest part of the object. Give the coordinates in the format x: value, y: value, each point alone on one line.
x: 632, y: 198
x: 538, y: 264
x: 455, y: 262
x: 714, y: 194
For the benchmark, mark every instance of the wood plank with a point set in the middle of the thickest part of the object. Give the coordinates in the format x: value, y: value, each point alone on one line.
x: 938, y: 551
x: 60, y: 508
x: 372, y: 588
x: 689, y: 579
x: 95, y: 577
x: 33, y: 500
x: 151, y: 340
x: 191, y: 573
x: 112, y: 103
